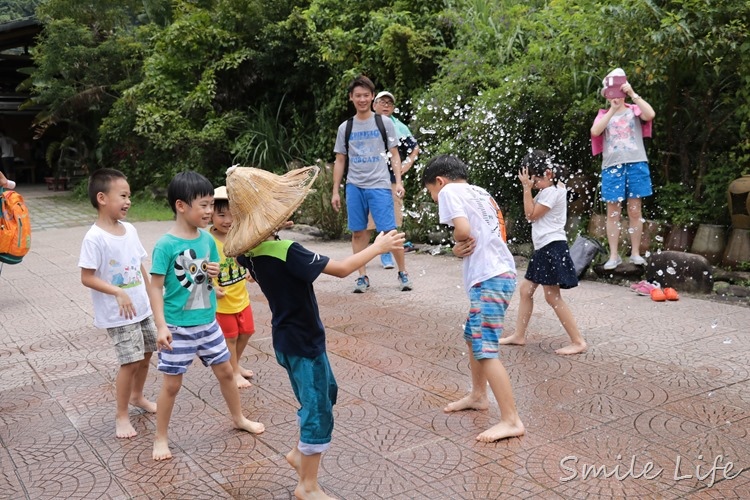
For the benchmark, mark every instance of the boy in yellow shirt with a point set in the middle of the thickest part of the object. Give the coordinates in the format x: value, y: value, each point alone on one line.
x: 233, y: 311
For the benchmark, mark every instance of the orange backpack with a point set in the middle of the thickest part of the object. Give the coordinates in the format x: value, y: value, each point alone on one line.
x: 500, y: 219
x: 15, y: 228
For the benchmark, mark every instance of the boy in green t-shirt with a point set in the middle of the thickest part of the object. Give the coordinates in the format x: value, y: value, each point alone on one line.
x: 183, y: 264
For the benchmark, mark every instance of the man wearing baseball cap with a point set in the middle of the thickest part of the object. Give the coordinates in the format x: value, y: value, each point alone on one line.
x: 408, y: 150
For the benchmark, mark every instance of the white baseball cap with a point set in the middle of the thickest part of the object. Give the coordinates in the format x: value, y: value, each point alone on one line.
x: 385, y: 93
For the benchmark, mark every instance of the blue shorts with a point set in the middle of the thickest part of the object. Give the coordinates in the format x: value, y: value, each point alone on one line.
x: 361, y: 202
x: 315, y: 388
x: 629, y: 180
x: 207, y: 341
x: 484, y: 324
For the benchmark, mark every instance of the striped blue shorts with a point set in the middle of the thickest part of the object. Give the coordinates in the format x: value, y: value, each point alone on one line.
x: 207, y: 341
x: 488, y: 302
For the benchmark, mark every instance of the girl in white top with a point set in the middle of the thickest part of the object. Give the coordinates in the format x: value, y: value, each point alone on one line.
x: 550, y: 264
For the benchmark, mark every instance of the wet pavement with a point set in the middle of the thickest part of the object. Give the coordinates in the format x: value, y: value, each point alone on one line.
x: 663, y: 392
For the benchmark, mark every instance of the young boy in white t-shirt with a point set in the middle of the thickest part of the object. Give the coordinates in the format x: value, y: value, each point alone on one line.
x: 490, y: 279
x: 111, y: 265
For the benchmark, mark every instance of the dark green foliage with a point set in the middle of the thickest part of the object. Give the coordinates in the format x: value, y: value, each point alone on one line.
x: 157, y: 86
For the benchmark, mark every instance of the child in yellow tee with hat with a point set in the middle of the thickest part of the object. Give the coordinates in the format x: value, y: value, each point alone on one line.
x: 233, y: 311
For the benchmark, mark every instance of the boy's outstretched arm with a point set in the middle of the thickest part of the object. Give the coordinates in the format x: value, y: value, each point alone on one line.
x: 393, y: 240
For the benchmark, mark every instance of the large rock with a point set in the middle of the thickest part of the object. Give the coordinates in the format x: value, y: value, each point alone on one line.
x: 626, y: 270
x: 686, y: 272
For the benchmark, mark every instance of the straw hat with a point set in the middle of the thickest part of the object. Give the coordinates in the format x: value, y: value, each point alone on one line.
x: 260, y: 202
x: 220, y: 193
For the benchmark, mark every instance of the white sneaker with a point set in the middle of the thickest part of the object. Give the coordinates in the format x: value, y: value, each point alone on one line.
x: 612, y: 263
x: 637, y: 260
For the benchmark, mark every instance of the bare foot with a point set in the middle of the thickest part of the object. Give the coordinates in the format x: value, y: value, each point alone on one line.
x: 294, y: 458
x: 513, y: 340
x: 143, y: 403
x: 242, y: 382
x: 500, y: 431
x: 301, y: 494
x: 250, y: 426
x: 124, y: 429
x: 246, y: 373
x: 467, y: 403
x: 572, y: 349
x: 161, y: 450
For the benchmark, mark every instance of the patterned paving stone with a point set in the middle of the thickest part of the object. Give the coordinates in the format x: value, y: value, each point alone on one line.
x: 491, y: 481
x: 70, y: 479
x: 272, y: 478
x: 657, y: 382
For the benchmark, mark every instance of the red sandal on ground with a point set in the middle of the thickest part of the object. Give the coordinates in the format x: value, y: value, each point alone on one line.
x: 671, y: 294
x: 657, y: 295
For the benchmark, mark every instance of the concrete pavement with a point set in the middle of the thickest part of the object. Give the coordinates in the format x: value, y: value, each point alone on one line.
x: 662, y: 383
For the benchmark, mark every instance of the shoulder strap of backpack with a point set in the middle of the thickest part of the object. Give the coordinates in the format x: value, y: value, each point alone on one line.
x: 347, y: 133
x: 381, y: 127
x: 384, y: 135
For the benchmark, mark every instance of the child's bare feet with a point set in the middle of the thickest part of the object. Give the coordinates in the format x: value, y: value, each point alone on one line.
x: 468, y: 402
x: 246, y: 373
x: 124, y: 429
x: 572, y: 349
x: 249, y: 426
x: 161, y: 450
x: 514, y: 339
x: 242, y: 382
x: 144, y: 404
x: 503, y: 430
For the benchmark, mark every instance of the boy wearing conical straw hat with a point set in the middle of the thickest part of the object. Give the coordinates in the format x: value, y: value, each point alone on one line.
x: 261, y: 202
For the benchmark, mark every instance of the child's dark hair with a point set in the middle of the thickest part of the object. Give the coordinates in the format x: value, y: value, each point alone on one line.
x: 361, y: 81
x: 539, y: 161
x: 445, y: 166
x: 220, y: 204
x: 187, y: 186
x: 100, y: 181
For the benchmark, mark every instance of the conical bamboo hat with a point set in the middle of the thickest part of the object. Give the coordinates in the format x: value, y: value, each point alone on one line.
x: 260, y: 202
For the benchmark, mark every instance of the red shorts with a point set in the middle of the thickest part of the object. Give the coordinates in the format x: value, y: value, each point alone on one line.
x: 240, y: 323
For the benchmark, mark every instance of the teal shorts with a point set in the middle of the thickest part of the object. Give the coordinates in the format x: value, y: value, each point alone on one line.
x: 315, y: 388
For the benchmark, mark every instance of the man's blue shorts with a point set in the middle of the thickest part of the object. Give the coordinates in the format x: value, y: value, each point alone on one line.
x: 488, y: 302
x: 629, y: 180
x: 379, y: 202
x: 315, y: 388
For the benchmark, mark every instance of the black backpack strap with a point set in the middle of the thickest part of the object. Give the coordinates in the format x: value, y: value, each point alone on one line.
x: 347, y: 133
x: 381, y: 127
x: 384, y: 135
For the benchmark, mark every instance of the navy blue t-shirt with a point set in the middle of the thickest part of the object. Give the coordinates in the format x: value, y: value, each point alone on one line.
x: 285, y: 272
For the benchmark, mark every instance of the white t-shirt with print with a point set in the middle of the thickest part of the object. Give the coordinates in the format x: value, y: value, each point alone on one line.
x: 551, y: 227
x: 117, y: 260
x: 491, y: 256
